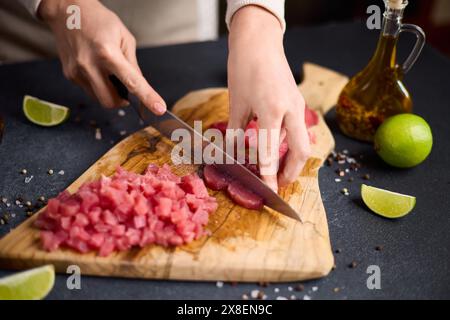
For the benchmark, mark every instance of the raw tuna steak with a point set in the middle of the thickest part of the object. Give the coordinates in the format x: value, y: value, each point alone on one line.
x: 240, y: 195
x: 311, y: 117
x: 128, y: 209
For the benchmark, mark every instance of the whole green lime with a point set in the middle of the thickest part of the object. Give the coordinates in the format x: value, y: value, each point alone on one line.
x: 404, y: 140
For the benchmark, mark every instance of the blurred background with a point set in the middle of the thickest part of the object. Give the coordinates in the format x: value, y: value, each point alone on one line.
x: 432, y: 15
x: 163, y: 22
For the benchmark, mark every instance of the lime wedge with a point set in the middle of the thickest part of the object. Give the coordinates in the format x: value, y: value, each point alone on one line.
x: 387, y: 203
x: 44, y: 113
x: 32, y: 284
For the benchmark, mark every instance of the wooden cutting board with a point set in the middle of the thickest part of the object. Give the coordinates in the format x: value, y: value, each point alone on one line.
x: 244, y: 245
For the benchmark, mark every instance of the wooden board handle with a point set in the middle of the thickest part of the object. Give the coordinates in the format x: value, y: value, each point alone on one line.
x: 321, y: 87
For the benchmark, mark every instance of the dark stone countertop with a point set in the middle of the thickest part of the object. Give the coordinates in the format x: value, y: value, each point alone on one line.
x: 415, y: 260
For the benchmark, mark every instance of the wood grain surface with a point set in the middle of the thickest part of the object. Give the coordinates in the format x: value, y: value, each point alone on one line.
x: 244, y: 245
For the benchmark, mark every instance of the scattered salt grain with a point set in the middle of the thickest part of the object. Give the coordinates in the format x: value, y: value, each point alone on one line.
x: 314, y: 289
x: 254, y: 294
x: 292, y: 297
x: 61, y: 172
x: 276, y: 290
x: 28, y: 179
x: 281, y: 298
x: 219, y: 284
x: 141, y: 122
x: 306, y: 297
x: 13, y: 215
x: 337, y: 180
x: 244, y: 297
x: 290, y: 288
x: 98, y: 134
x: 121, y: 112
x: 123, y: 132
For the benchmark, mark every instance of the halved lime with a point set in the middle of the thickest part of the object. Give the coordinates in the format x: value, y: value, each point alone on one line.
x: 387, y: 203
x: 32, y: 284
x: 44, y: 113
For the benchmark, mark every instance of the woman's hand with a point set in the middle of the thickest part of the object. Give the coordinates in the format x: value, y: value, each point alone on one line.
x: 102, y: 47
x: 261, y: 84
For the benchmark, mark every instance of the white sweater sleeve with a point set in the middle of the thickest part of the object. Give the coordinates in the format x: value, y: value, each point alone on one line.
x: 276, y: 7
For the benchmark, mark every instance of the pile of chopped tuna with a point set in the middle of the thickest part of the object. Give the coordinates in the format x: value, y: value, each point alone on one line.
x: 241, y: 195
x: 128, y: 209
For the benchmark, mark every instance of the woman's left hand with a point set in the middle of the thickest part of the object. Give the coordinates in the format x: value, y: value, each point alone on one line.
x: 261, y: 85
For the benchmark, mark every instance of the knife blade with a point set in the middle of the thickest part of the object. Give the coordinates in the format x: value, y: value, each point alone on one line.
x: 167, y: 123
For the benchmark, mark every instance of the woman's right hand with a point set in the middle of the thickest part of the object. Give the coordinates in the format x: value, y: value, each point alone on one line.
x: 103, y: 46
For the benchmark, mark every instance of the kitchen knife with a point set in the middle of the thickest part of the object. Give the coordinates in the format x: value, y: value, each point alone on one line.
x: 169, y: 122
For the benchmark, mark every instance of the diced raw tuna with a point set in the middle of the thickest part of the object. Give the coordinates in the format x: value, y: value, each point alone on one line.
x: 96, y: 240
x: 70, y: 207
x: 126, y: 210
x: 165, y: 173
x: 81, y: 220
x: 88, y: 200
x: 51, y: 240
x: 139, y: 222
x: 193, y: 184
x: 94, y: 215
x: 164, y: 207
x: 65, y: 223
x: 118, y: 230
x: 107, y: 247
x: 53, y: 207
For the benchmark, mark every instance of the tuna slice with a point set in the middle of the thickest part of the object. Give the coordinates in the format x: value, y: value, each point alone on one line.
x: 215, y: 179
x: 128, y: 209
x: 241, y: 195
x: 244, y: 197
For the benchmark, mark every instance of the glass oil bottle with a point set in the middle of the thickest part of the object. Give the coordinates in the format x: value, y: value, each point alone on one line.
x: 377, y: 92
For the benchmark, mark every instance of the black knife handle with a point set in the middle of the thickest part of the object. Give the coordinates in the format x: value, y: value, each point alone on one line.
x: 122, y: 91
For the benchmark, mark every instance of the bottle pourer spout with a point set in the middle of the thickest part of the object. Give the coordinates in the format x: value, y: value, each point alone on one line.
x: 396, y: 4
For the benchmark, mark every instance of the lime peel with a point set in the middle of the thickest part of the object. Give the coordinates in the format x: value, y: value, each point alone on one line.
x: 387, y: 203
x: 32, y: 284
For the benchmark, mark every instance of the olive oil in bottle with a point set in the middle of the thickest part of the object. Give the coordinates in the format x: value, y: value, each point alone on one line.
x: 377, y: 92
